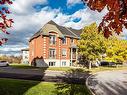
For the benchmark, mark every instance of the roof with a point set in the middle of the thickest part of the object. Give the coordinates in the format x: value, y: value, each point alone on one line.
x: 36, y: 34
x: 73, y: 46
x: 65, y: 31
x: 51, y: 22
x: 77, y: 32
x: 26, y: 49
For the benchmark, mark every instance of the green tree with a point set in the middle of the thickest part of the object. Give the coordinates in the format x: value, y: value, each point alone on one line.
x: 116, y: 50
x: 91, y: 45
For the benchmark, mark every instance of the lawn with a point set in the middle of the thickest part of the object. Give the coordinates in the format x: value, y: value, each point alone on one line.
x: 26, y: 66
x: 22, y: 66
x: 107, y: 68
x: 93, y: 70
x: 59, y: 68
x: 24, y: 87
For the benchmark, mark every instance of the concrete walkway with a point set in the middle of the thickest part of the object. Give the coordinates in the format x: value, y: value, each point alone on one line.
x: 109, y: 83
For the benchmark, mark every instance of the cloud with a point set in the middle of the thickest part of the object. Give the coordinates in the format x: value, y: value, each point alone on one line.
x: 22, y: 7
x: 27, y: 21
x: 85, y: 16
x: 26, y: 25
x: 73, y: 2
x: 11, y: 49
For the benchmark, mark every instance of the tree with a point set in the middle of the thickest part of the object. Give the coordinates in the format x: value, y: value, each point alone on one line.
x: 115, y: 19
x: 116, y: 50
x: 11, y: 59
x: 5, y: 22
x: 91, y: 45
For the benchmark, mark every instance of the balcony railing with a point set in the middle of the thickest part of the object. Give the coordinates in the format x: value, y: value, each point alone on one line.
x: 52, y: 56
x: 73, y: 55
x: 52, y: 42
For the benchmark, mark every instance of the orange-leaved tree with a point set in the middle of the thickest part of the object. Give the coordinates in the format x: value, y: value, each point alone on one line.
x: 5, y: 22
x: 115, y: 19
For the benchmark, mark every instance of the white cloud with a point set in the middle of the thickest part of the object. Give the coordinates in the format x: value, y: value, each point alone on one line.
x: 86, y: 17
x: 61, y: 18
x: 27, y: 21
x: 35, y: 19
x: 73, y: 2
x: 10, y: 48
x: 25, y: 6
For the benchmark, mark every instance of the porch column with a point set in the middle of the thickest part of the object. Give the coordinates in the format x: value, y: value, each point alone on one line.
x: 71, y: 57
x: 76, y: 54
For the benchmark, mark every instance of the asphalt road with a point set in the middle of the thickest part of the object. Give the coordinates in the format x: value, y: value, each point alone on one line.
x: 40, y: 75
x: 109, y: 83
x: 29, y: 74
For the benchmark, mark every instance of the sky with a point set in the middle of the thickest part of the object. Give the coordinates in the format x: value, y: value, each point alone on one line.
x: 30, y: 15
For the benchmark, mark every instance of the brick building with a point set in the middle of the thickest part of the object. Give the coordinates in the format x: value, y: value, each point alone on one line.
x: 54, y: 45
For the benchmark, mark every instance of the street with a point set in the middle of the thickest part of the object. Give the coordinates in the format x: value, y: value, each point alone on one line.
x: 109, y: 83
x: 42, y: 75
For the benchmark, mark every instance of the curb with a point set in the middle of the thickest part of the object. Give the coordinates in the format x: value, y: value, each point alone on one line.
x: 92, y: 93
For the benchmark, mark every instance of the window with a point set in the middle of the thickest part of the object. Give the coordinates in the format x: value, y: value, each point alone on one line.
x: 63, y: 63
x: 64, y: 52
x: 52, y: 39
x: 72, y: 40
x: 26, y: 57
x: 26, y: 52
x: 64, y: 40
x: 52, y: 53
x: 52, y: 63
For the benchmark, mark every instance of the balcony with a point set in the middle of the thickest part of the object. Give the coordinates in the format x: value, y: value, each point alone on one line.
x: 52, y: 56
x: 52, y: 42
x: 73, y: 55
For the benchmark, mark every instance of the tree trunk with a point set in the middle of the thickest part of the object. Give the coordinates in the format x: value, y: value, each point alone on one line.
x: 116, y: 65
x: 89, y: 65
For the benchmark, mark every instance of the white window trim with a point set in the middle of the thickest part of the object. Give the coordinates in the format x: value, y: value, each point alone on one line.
x: 66, y: 41
x: 66, y: 52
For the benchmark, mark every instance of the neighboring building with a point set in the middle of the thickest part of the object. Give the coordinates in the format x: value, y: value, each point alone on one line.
x: 25, y: 56
x: 54, y: 45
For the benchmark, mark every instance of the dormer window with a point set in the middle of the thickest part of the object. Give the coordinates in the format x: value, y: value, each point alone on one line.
x: 64, y: 40
x: 52, y: 39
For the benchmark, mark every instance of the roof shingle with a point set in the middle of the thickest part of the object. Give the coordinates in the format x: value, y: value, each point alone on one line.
x: 64, y: 30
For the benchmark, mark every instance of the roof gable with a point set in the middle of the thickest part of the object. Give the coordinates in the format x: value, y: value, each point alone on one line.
x: 62, y: 31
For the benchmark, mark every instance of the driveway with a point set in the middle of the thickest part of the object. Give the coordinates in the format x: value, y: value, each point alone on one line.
x: 109, y: 83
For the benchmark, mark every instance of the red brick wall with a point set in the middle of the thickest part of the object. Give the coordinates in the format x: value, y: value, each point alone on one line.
x: 41, y: 48
x: 35, y: 47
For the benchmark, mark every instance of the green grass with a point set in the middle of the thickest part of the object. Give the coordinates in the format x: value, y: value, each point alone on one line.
x: 93, y: 70
x: 22, y: 66
x: 26, y: 66
x: 59, y: 68
x: 112, y: 68
x: 24, y: 87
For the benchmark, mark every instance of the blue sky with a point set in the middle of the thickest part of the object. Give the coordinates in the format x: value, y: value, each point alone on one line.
x: 30, y: 15
x: 64, y: 8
